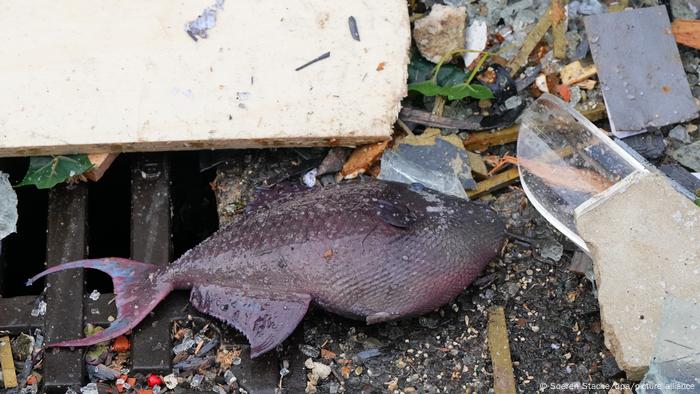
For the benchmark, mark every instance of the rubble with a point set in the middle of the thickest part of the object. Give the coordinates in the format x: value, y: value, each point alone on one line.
x: 688, y: 155
x: 440, y: 32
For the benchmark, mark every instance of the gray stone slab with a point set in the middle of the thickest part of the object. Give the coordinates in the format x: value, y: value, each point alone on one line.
x: 640, y: 70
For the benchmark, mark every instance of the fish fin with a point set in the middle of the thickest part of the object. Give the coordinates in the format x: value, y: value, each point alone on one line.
x: 266, y: 321
x: 397, y: 215
x: 136, y: 290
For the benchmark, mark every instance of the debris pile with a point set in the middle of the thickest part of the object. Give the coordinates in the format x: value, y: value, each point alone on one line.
x: 528, y: 106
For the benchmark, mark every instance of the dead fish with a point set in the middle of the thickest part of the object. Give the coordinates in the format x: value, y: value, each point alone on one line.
x: 369, y: 250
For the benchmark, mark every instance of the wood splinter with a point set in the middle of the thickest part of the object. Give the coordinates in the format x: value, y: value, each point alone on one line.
x: 9, y: 375
x: 503, y: 378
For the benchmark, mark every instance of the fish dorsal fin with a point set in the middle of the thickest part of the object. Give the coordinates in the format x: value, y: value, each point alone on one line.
x: 266, y: 321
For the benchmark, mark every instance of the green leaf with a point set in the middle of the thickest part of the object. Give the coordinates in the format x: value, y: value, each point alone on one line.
x: 420, y: 70
x: 697, y: 202
x: 426, y: 88
x: 458, y: 92
x: 47, y: 171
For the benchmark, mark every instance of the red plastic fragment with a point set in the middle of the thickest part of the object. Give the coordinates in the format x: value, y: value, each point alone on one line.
x: 154, y: 380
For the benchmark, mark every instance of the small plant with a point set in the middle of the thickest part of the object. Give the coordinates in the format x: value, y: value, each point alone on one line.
x: 456, y: 91
x: 47, y: 171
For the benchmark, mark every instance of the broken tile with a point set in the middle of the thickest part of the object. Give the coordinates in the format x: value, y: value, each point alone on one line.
x: 440, y: 32
x: 640, y: 71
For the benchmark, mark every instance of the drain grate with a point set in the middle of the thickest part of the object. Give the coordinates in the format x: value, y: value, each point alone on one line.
x: 166, y: 192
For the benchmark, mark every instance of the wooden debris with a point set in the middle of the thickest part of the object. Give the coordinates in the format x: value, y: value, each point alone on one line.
x: 427, y: 118
x: 362, y: 159
x: 576, y: 72
x: 101, y: 162
x: 476, y: 162
x: 596, y: 113
x: 687, y: 32
x: 503, y: 377
x: 483, y: 140
x: 559, y: 22
x: 533, y: 38
x: 9, y: 375
x: 586, y: 84
x: 493, y: 183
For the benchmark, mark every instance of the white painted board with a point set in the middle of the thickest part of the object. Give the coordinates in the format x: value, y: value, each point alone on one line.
x: 124, y: 75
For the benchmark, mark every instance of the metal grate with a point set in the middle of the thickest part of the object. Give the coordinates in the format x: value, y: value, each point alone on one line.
x: 151, y: 240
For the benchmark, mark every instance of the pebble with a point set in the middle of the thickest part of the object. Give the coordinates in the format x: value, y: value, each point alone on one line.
x: 680, y: 133
x: 552, y: 250
x: 170, y: 381
x: 320, y: 371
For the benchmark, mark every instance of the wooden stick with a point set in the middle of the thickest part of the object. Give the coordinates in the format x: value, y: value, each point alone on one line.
x: 495, y: 182
x: 483, y: 140
x: 559, y: 22
x: 9, y: 375
x: 503, y: 378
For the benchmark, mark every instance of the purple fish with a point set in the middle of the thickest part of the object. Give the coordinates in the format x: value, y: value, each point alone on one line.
x: 367, y: 250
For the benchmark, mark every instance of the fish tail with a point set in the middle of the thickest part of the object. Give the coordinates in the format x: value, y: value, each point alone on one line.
x: 137, y: 289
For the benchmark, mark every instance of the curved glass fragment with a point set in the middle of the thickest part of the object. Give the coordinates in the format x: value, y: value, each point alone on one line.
x: 564, y: 160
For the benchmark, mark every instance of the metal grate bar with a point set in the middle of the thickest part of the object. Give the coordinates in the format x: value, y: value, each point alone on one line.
x: 151, y: 243
x: 63, y: 368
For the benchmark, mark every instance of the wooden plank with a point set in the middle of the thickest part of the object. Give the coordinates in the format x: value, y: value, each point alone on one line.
x: 125, y: 75
x: 100, y: 162
x: 503, y: 378
x: 9, y: 375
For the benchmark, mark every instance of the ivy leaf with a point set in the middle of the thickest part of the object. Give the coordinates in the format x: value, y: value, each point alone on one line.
x: 426, y: 88
x: 47, y: 171
x: 420, y: 70
x: 458, y: 92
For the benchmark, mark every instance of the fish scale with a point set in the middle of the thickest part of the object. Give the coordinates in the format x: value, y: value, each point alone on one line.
x: 370, y: 250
